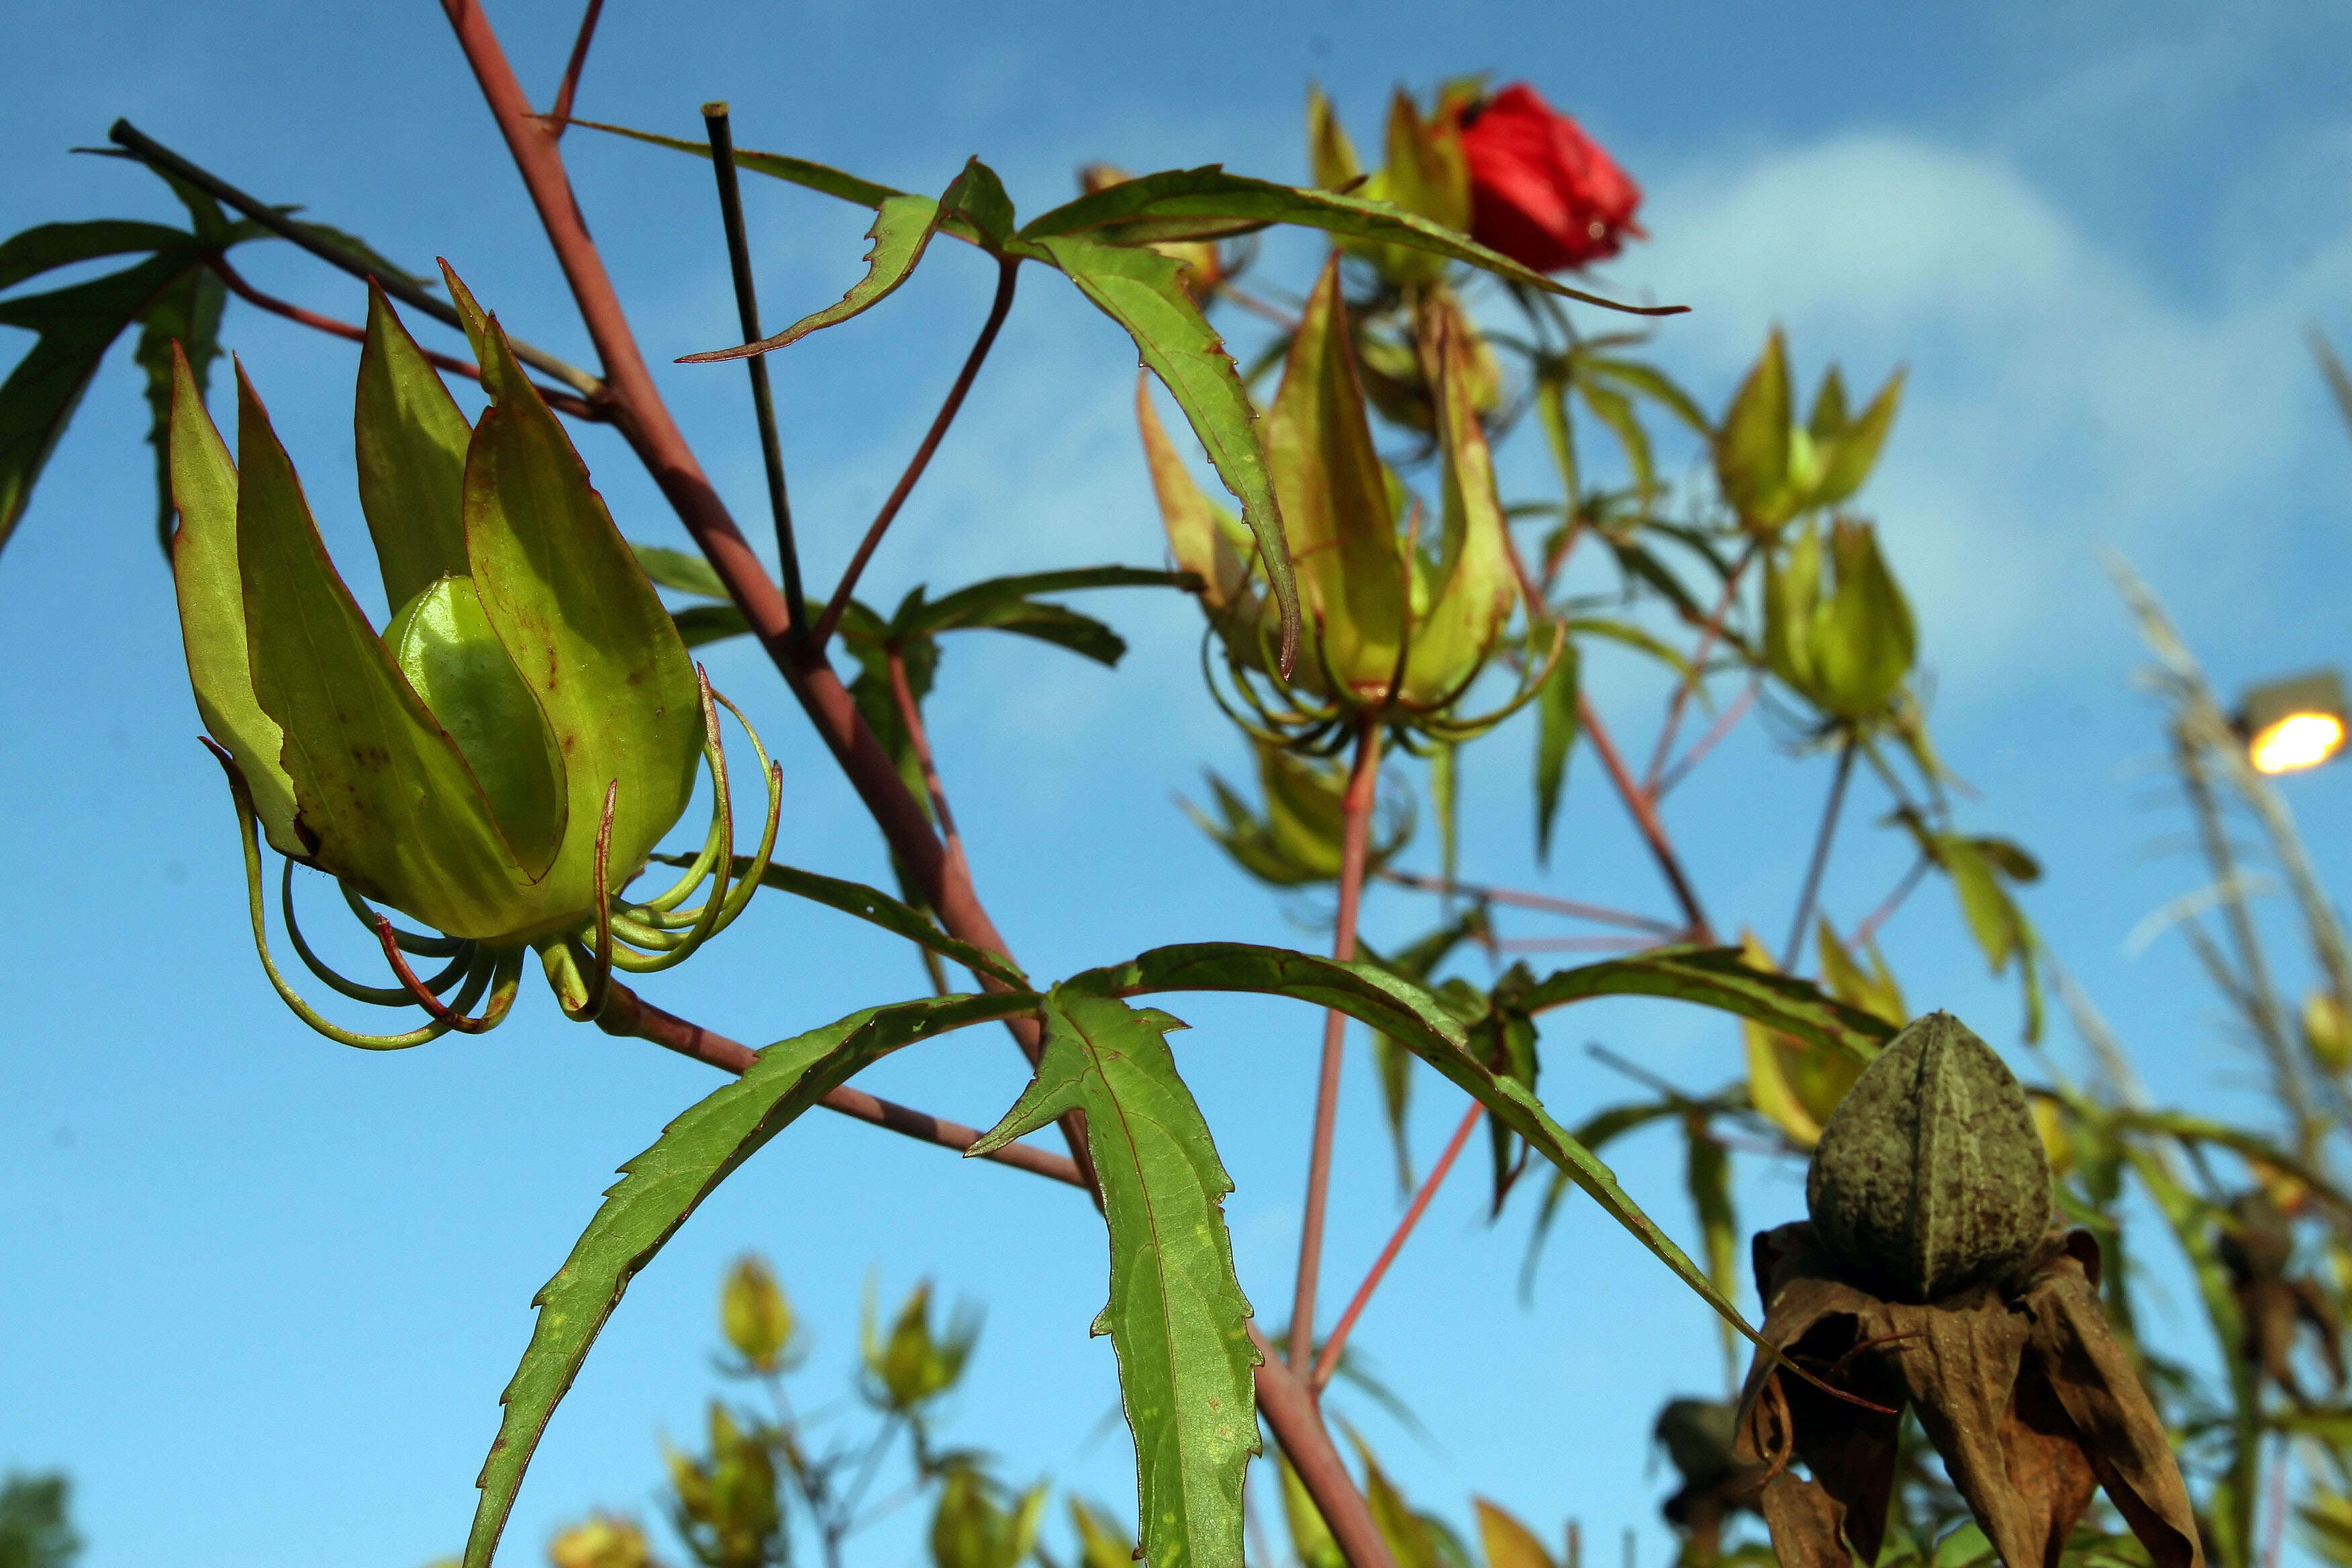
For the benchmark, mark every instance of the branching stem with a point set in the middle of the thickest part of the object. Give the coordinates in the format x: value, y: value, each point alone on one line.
x: 1008, y: 272
x: 156, y: 155
x: 1544, y: 902
x: 1645, y: 812
x: 628, y: 1015
x: 1327, y: 1362
x: 1681, y: 699
x: 560, y: 114
x: 1356, y: 807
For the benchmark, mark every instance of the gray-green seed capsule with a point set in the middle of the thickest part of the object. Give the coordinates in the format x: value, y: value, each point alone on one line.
x: 1930, y: 1175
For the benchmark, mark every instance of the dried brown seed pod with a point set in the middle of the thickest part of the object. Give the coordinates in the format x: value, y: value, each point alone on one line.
x: 1930, y: 1177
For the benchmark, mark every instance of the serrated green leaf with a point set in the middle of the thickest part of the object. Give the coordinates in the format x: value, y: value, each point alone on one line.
x: 1144, y: 292
x: 579, y: 621
x: 76, y: 325
x: 410, y: 439
x: 1176, y: 1315
x: 878, y: 908
x: 903, y: 226
x: 659, y: 1188
x: 1422, y: 1023
x: 1556, y: 727
x: 211, y: 595
x: 1719, y: 977
x: 1190, y: 204
x: 799, y: 171
x: 1595, y: 1132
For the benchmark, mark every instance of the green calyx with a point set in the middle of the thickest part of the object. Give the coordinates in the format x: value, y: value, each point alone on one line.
x: 506, y: 756
x: 1405, y: 604
x: 1837, y: 629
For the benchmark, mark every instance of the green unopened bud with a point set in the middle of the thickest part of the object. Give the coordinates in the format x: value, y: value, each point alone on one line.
x: 726, y: 1505
x: 2326, y: 1031
x: 504, y: 759
x: 1842, y: 637
x: 1931, y: 1176
x: 757, y: 1318
x: 601, y: 1540
x: 978, y: 1527
x: 914, y: 1367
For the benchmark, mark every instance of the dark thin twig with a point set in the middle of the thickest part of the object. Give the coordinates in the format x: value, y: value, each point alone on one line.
x: 1544, y: 902
x: 628, y: 1014
x: 1682, y: 1098
x: 1821, y: 859
x: 150, y: 151
x: 1008, y: 271
x: 716, y: 121
x: 1327, y: 1362
x: 1356, y: 808
x: 560, y: 115
x: 562, y: 401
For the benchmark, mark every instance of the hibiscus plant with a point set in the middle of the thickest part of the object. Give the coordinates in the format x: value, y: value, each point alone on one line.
x: 1949, y: 1365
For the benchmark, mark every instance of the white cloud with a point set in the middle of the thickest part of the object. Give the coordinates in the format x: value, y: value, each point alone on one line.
x: 2058, y: 398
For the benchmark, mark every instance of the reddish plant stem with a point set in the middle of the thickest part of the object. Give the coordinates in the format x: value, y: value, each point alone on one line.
x: 910, y: 713
x: 1681, y: 699
x: 1820, y: 859
x: 564, y: 402
x: 1290, y: 1410
x: 1571, y: 944
x: 1544, y: 902
x: 1008, y: 272
x: 1644, y: 813
x: 1356, y: 807
x: 1724, y: 724
x: 629, y: 1014
x: 1878, y: 917
x: 560, y: 114
x: 1327, y: 1362
x: 644, y: 421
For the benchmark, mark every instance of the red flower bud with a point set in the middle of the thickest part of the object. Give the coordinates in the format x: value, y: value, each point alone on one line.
x: 1542, y: 192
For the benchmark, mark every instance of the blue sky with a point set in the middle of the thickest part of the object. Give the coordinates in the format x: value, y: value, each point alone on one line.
x: 262, y: 1291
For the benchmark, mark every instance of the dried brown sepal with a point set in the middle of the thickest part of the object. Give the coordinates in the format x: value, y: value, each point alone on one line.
x: 2256, y: 1246
x: 2018, y: 1383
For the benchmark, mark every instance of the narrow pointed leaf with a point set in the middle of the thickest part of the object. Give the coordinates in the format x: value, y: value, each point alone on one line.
x: 1337, y: 512
x: 903, y: 226
x: 971, y: 606
x: 1719, y: 977
x: 579, y: 620
x: 659, y: 1188
x: 1144, y: 292
x: 410, y: 439
x: 211, y: 595
x: 52, y: 245
x: 1421, y: 1023
x: 1556, y: 728
x: 1176, y: 1317
x: 688, y: 573
x: 76, y: 325
x: 382, y: 790
x: 187, y: 313
x: 1179, y: 204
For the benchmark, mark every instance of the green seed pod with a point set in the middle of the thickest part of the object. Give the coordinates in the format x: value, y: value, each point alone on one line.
x: 1930, y: 1177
